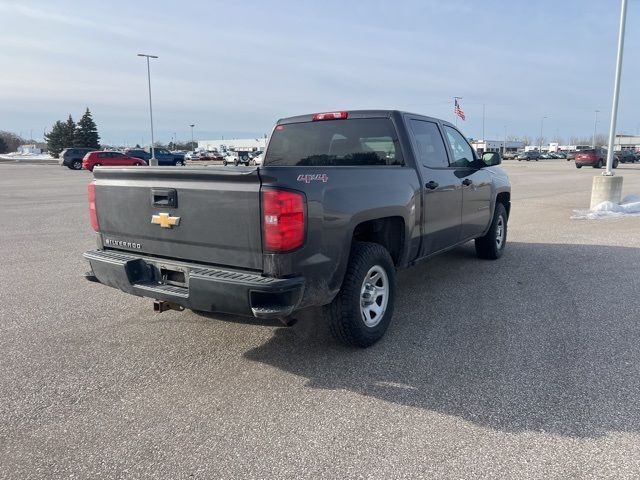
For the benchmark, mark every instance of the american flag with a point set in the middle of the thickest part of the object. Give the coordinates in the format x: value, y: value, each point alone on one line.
x: 457, y: 110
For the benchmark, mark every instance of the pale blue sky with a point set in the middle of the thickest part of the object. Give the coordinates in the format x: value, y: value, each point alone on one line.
x: 234, y: 67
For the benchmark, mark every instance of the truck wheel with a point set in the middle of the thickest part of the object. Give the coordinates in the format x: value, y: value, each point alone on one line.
x: 491, y: 246
x: 362, y: 310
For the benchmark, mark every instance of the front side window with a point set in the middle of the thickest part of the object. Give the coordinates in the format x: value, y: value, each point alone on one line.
x: 462, y: 152
x: 350, y: 142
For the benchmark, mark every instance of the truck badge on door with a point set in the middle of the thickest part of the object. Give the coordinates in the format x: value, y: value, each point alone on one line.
x: 164, y: 220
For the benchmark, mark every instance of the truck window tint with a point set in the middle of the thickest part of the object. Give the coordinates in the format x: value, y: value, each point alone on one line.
x: 431, y: 150
x: 362, y: 141
x: 462, y: 153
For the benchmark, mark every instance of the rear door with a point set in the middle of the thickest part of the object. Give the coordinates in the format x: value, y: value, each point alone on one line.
x: 475, y: 182
x: 442, y: 194
x: 206, y: 215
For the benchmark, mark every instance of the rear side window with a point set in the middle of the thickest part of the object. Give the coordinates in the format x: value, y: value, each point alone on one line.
x: 431, y: 149
x: 361, y: 141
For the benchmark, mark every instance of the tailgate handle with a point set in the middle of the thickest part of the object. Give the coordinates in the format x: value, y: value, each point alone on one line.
x: 164, y: 197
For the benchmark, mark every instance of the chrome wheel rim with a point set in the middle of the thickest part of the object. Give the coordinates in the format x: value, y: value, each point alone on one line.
x: 374, y: 296
x: 500, y: 232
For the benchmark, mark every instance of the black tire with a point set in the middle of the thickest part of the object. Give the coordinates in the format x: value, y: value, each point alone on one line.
x: 178, y: 163
x: 599, y: 164
x: 76, y: 165
x: 235, y: 162
x: 224, y: 163
x: 578, y: 166
x: 345, y: 314
x: 488, y: 246
x: 615, y: 164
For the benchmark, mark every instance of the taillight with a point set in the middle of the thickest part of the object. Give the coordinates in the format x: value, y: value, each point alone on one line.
x: 93, y: 216
x: 330, y: 116
x: 283, y: 220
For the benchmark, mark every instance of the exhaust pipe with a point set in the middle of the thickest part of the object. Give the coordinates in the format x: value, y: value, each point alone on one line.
x: 160, y: 306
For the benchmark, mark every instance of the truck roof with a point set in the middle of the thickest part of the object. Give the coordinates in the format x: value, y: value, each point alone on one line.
x: 360, y: 114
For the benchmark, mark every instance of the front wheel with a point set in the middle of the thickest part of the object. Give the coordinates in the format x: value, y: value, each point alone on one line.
x: 599, y: 164
x: 362, y: 311
x: 492, y: 245
x: 224, y: 163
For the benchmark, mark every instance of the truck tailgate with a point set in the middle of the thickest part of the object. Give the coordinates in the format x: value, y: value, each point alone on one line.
x: 216, y: 214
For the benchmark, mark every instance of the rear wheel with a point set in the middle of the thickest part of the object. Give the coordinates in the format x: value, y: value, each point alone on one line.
x: 224, y: 162
x: 578, y: 166
x: 362, y: 311
x: 492, y: 245
x: 178, y: 163
x: 76, y: 165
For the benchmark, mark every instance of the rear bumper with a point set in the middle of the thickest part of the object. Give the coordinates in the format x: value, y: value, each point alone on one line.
x: 196, y: 287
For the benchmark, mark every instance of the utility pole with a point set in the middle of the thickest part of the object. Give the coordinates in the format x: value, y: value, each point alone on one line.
x: 483, y: 122
x: 595, y: 126
x: 152, y: 161
x: 504, y: 144
x: 541, y: 127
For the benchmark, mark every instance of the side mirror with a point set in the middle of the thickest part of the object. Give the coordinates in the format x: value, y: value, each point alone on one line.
x: 491, y: 159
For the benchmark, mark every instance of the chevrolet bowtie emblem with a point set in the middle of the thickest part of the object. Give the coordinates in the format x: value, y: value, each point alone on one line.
x: 164, y: 220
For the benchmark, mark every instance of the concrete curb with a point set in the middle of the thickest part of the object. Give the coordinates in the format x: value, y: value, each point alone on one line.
x: 30, y: 161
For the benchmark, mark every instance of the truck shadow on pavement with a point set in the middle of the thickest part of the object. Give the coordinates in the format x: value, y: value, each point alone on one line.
x: 547, y: 339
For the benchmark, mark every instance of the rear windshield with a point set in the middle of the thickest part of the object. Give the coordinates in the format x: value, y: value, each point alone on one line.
x: 362, y: 141
x: 587, y: 151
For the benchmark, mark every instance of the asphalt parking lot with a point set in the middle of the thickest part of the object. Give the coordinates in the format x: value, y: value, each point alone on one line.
x: 527, y: 367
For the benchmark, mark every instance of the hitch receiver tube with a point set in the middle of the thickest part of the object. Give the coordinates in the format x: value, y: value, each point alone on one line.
x: 160, y: 306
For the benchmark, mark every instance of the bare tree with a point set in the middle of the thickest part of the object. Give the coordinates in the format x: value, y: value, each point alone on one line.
x: 527, y: 140
x: 557, y: 139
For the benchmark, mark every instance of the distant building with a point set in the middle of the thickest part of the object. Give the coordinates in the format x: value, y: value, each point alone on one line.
x: 238, y: 144
x: 627, y: 142
x: 482, y: 146
x: 29, y: 150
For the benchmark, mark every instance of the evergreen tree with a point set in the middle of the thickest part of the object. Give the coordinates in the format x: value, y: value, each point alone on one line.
x: 55, y: 139
x: 3, y: 146
x: 86, y: 134
x: 69, y: 132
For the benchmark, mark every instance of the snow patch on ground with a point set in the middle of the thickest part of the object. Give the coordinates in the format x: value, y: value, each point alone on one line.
x: 629, y: 207
x: 26, y: 156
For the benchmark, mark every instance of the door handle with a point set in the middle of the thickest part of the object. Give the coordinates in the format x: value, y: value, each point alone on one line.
x: 467, y: 181
x: 431, y: 185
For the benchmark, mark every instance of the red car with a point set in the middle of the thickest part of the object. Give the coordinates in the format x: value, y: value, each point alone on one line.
x: 109, y: 159
x: 595, y: 157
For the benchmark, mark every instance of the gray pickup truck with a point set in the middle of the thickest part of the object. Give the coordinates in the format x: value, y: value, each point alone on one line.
x: 342, y: 200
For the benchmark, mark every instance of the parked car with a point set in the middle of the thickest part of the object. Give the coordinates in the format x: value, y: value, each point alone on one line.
x: 212, y: 155
x: 546, y: 156
x: 626, y: 156
x: 530, y: 155
x: 72, y: 157
x: 571, y: 156
x: 561, y: 155
x: 109, y: 159
x: 510, y: 155
x: 301, y: 230
x: 164, y: 156
x: 258, y: 159
x: 595, y: 157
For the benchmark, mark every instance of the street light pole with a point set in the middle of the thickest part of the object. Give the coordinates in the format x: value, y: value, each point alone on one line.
x: 152, y: 161
x: 541, y: 126
x: 595, y: 126
x: 504, y: 145
x: 616, y: 90
x: 192, y: 125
